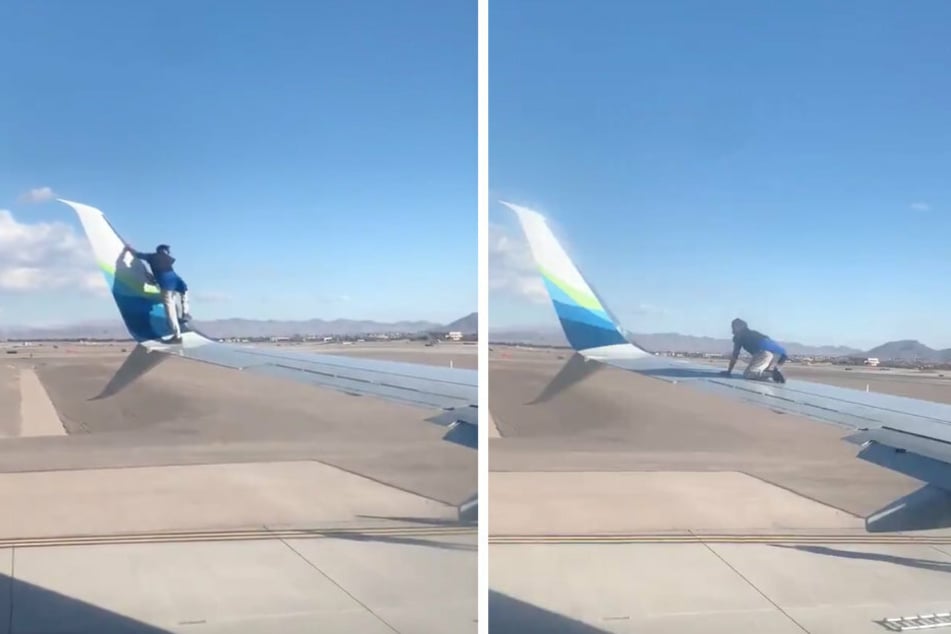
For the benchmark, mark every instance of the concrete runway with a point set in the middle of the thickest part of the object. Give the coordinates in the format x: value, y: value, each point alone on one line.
x: 625, y: 504
x: 201, y: 499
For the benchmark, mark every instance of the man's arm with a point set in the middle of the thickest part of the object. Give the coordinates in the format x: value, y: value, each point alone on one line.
x: 149, y: 276
x: 138, y: 254
x: 733, y: 357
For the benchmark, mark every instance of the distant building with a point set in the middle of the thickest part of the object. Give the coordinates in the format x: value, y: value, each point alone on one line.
x: 872, y: 361
x: 454, y: 335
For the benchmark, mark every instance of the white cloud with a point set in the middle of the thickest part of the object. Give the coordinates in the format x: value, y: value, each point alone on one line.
x: 45, y: 256
x: 38, y: 195
x: 512, y: 271
x: 511, y: 267
x: 921, y: 206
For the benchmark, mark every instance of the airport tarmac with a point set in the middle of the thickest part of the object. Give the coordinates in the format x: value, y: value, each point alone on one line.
x: 626, y: 504
x: 200, y: 499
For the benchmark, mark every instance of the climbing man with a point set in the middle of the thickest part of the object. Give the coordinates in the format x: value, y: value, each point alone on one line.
x: 768, y: 355
x: 169, y: 283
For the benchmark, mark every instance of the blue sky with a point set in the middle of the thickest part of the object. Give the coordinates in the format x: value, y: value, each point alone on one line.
x: 303, y: 159
x: 788, y: 162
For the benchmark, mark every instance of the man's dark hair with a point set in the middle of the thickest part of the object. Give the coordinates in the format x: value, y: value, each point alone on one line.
x: 162, y: 248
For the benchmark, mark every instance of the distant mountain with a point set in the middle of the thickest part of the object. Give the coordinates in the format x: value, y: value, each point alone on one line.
x: 91, y: 329
x: 468, y: 325
x: 675, y: 342
x: 220, y: 328
x: 662, y: 342
x: 910, y: 350
x: 311, y: 327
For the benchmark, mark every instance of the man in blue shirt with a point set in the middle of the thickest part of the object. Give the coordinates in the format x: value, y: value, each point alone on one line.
x: 168, y: 282
x: 767, y: 354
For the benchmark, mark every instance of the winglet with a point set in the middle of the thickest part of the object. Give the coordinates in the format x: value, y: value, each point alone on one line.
x: 138, y: 300
x: 589, y: 327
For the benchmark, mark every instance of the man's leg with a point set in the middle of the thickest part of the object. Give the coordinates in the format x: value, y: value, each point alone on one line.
x: 775, y: 368
x: 171, y: 313
x: 183, y: 291
x: 186, y: 314
x: 758, y: 366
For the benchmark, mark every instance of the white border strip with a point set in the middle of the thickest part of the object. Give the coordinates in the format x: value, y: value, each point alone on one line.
x: 483, y: 211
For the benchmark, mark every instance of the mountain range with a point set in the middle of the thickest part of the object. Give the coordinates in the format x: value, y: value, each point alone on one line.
x: 904, y: 350
x: 220, y: 328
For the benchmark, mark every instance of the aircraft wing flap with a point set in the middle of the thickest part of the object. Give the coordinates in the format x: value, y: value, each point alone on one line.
x: 904, y: 441
x: 462, y: 425
x: 468, y: 414
x: 919, y: 457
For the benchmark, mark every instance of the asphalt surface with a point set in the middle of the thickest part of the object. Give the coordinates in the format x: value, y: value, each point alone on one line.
x: 189, y: 413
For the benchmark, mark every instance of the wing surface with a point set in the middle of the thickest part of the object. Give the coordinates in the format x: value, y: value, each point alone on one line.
x: 412, y: 383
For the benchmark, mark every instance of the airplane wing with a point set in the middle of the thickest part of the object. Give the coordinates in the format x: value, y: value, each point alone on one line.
x: 907, y: 435
x: 452, y: 390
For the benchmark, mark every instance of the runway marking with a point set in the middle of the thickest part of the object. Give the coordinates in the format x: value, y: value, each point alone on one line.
x: 493, y: 428
x: 38, y: 416
x: 697, y: 538
x: 252, y: 534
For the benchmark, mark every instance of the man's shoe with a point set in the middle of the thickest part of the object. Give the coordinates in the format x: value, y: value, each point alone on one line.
x: 778, y: 376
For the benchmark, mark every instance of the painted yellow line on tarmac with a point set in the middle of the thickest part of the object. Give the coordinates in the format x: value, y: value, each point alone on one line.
x: 698, y: 538
x: 238, y: 535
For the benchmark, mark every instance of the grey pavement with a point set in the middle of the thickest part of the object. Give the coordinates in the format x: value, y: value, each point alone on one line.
x: 274, y: 585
